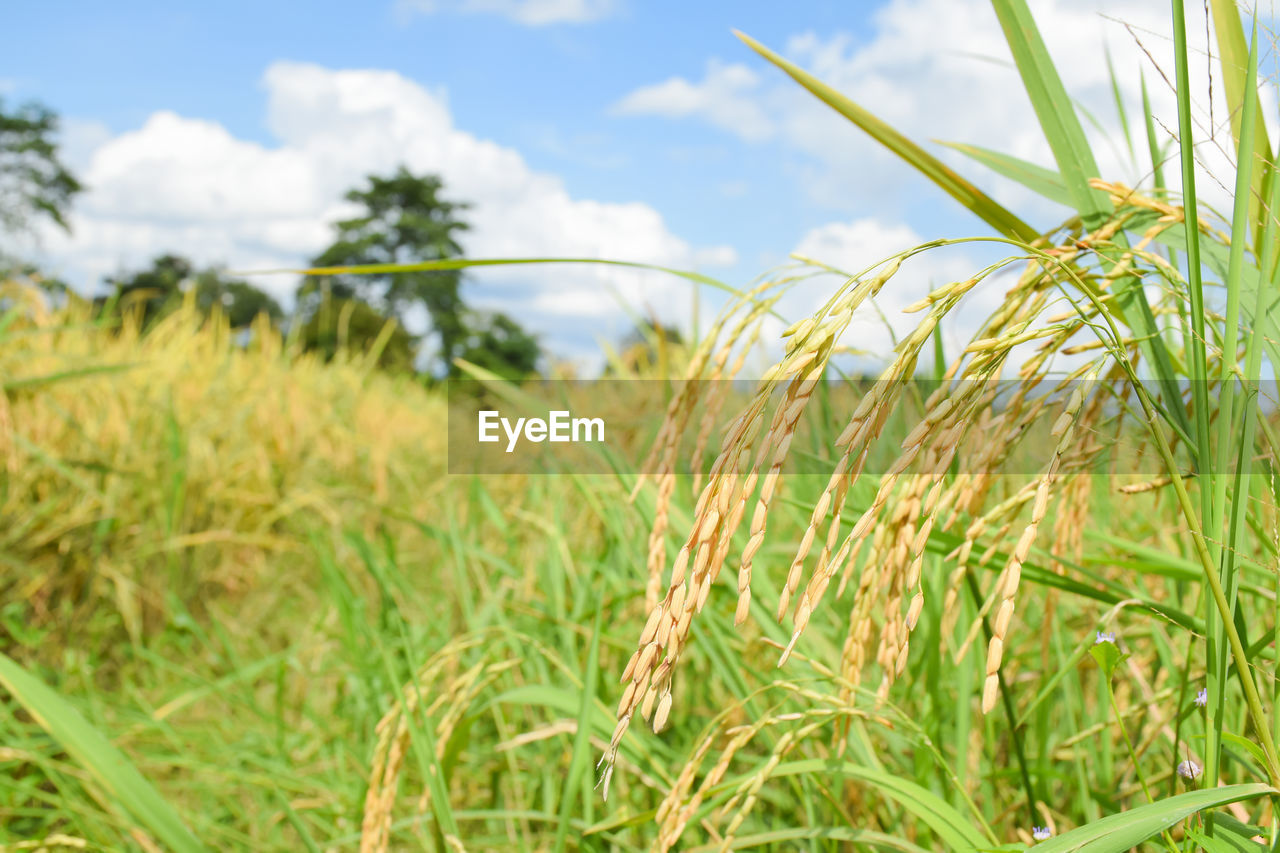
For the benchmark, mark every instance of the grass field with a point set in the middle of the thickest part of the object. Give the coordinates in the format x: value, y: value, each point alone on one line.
x: 246, y: 608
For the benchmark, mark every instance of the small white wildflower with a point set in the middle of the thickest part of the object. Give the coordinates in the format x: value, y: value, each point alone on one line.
x: 1189, y: 769
x: 1041, y: 833
x: 1202, y: 697
x: 1105, y: 637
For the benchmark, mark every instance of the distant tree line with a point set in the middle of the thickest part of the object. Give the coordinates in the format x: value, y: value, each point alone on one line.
x: 404, y: 218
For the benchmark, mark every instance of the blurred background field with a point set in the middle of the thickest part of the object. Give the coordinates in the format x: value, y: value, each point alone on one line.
x: 232, y: 558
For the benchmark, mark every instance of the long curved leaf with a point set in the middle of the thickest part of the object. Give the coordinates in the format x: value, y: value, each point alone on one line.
x: 987, y: 208
x: 952, y: 828
x: 106, y: 764
x: 1076, y: 165
x: 1038, y: 179
x: 1053, y: 107
x: 1118, y: 832
x: 1233, y: 52
x: 465, y: 263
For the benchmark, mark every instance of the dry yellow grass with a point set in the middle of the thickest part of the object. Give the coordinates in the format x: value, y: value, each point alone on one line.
x: 193, y: 458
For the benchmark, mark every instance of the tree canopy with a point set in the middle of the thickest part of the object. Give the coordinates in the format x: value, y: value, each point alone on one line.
x: 163, y: 285
x: 34, y: 183
x: 498, y: 344
x: 404, y: 218
x: 407, y: 219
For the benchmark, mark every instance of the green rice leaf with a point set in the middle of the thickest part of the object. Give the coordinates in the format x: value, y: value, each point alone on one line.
x: 1053, y: 108
x: 1119, y: 832
x: 952, y: 828
x: 108, y: 766
x: 1233, y: 53
x: 1038, y: 179
x: 465, y: 263
x: 985, y: 207
x: 581, y: 759
x: 860, y: 838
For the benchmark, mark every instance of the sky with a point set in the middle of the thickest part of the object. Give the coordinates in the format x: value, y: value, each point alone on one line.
x: 626, y: 129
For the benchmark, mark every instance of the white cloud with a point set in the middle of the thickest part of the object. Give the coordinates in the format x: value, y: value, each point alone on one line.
x: 189, y: 186
x: 724, y: 97
x: 852, y: 246
x: 940, y: 69
x: 534, y: 13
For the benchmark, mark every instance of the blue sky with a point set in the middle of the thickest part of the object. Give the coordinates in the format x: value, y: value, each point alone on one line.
x: 638, y: 129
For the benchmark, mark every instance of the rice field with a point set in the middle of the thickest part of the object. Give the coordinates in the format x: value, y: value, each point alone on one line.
x: 1029, y: 597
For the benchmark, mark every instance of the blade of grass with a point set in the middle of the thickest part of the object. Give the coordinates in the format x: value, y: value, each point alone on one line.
x: 1226, y: 423
x: 950, y: 826
x: 1197, y: 363
x: 1119, y: 832
x: 974, y: 199
x: 1157, y: 159
x: 581, y: 758
x: 1038, y: 179
x: 1053, y: 108
x: 859, y: 838
x: 465, y: 263
x: 1121, y: 113
x: 106, y: 764
x: 1239, y: 66
x: 1253, y: 345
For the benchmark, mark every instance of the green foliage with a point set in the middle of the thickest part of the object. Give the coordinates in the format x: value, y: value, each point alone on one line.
x: 123, y: 783
x: 500, y: 345
x: 34, y: 183
x: 405, y: 220
x: 1120, y: 832
x: 161, y: 288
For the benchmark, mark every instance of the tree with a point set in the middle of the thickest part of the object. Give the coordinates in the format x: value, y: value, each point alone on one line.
x: 352, y: 325
x: 498, y: 344
x: 156, y: 290
x: 240, y: 301
x: 33, y: 181
x: 405, y: 221
x: 162, y: 287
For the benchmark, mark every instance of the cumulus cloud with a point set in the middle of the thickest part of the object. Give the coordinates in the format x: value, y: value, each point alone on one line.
x: 534, y: 13
x: 726, y: 97
x: 941, y: 69
x: 189, y: 186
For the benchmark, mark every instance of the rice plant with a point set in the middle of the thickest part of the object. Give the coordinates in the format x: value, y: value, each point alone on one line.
x: 1171, y: 316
